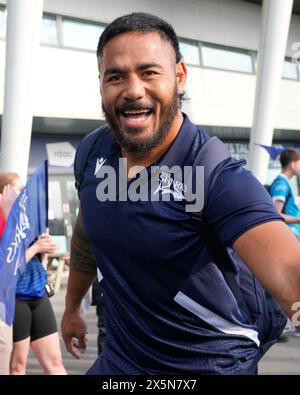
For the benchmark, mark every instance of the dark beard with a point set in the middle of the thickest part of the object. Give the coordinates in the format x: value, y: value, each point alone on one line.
x: 139, y: 148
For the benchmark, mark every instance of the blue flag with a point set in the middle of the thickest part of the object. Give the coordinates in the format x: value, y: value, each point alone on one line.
x: 275, y: 151
x: 28, y: 218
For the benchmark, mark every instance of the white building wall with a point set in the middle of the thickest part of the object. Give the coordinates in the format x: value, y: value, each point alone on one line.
x: 221, y: 97
x: 67, y: 84
x: 228, y: 22
x: 67, y: 81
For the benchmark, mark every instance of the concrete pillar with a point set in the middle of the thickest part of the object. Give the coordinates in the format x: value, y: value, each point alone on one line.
x: 275, y: 27
x: 22, y: 41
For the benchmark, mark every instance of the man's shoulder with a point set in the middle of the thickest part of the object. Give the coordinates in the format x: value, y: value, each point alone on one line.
x: 202, y: 132
x: 201, y: 137
x: 280, y: 184
x: 280, y: 180
x: 102, y: 132
x: 188, y: 127
x: 91, y: 140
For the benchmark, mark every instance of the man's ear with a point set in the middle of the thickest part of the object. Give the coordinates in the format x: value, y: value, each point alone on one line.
x: 181, y: 74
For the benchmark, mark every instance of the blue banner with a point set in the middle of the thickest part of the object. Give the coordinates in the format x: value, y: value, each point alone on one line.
x: 28, y: 218
x: 275, y: 151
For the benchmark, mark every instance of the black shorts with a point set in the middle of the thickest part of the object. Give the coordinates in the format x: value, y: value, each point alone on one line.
x: 34, y: 319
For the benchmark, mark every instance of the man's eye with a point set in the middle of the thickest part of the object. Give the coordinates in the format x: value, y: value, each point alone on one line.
x: 150, y: 73
x: 115, y: 78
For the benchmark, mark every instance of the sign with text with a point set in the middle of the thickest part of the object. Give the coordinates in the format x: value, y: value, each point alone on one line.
x: 60, y: 154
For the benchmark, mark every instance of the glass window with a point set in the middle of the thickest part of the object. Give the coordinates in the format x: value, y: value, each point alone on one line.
x: 55, y: 214
x: 239, y: 150
x: 289, y: 70
x: 82, y: 35
x: 2, y: 22
x: 55, y: 202
x: 223, y: 58
x: 190, y: 52
x: 73, y: 201
x: 49, y: 30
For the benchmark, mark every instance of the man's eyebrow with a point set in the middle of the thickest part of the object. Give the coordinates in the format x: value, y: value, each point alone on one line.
x: 149, y: 66
x: 119, y: 70
x: 113, y: 70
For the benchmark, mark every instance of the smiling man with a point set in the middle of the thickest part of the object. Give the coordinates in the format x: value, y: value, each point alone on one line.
x: 140, y: 88
x: 169, y: 308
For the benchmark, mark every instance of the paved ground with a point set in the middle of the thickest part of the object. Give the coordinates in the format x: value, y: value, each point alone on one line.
x: 283, y: 358
x: 72, y: 365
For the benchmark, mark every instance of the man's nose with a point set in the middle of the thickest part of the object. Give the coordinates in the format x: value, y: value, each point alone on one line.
x: 134, y: 88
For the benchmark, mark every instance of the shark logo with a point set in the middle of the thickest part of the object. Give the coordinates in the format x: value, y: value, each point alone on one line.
x: 168, y: 185
x: 99, y: 163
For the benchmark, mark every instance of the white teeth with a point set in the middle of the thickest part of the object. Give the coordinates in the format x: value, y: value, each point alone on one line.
x: 131, y: 112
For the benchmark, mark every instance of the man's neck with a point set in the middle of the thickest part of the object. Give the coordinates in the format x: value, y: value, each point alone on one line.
x: 288, y: 173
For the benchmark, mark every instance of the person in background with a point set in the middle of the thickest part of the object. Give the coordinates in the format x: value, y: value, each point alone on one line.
x: 34, y: 322
x: 7, y: 198
x: 281, y: 190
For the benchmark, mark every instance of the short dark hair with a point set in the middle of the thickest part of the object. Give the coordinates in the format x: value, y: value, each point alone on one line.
x: 289, y: 155
x: 139, y: 22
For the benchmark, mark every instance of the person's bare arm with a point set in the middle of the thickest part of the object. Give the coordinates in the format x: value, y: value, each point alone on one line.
x: 82, y: 275
x: 43, y: 245
x: 288, y: 218
x: 272, y: 253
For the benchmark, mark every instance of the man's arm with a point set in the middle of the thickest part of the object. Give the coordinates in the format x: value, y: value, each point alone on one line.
x: 82, y: 275
x: 272, y: 253
x: 288, y: 219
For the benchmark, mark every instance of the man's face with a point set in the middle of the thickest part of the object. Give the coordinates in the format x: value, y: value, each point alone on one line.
x: 296, y: 166
x: 139, y: 83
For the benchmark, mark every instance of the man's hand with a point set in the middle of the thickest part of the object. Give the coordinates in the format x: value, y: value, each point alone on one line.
x: 74, y: 330
x: 7, y: 198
